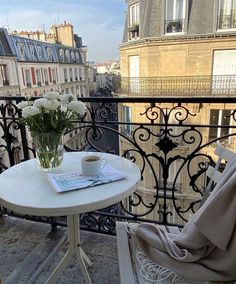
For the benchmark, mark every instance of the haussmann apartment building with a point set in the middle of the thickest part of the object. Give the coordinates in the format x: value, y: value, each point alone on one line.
x: 174, y: 49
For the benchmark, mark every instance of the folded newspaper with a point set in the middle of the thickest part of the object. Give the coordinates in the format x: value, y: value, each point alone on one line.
x: 74, y: 181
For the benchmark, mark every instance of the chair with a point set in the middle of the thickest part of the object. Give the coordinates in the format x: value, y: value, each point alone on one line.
x: 127, y: 265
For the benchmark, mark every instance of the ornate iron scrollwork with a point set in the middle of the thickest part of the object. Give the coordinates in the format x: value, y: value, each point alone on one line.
x: 171, y: 150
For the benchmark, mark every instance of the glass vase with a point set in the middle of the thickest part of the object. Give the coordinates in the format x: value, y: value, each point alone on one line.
x: 49, y: 149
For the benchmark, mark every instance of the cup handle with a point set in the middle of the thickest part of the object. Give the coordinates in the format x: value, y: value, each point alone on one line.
x: 103, y: 163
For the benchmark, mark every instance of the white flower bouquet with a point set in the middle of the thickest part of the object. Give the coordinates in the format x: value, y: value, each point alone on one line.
x: 47, y: 118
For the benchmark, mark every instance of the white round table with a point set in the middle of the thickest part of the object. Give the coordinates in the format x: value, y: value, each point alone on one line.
x: 25, y: 189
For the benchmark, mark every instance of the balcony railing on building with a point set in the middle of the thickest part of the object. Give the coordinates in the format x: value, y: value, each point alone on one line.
x: 171, y: 139
x: 174, y: 26
x: 133, y: 32
x: 226, y: 22
x: 6, y: 83
x: 177, y: 86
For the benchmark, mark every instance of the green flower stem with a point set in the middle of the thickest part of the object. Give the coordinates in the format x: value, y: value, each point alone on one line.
x: 48, y: 149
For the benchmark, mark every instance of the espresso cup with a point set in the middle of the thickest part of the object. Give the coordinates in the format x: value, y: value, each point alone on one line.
x: 92, y: 165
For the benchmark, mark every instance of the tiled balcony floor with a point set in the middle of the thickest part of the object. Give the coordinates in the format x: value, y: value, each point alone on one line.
x: 24, y: 245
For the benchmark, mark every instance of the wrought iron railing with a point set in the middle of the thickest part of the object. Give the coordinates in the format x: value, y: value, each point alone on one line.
x: 134, y: 32
x: 181, y: 86
x: 174, y: 26
x: 226, y: 22
x: 169, y: 139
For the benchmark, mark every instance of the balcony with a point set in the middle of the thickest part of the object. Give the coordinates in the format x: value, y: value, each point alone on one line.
x: 226, y: 22
x: 133, y: 32
x: 171, y: 139
x: 180, y: 86
x: 174, y: 26
x: 6, y: 83
x: 26, y: 244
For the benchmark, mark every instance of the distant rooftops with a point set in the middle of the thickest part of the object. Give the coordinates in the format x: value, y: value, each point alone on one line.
x: 59, y: 33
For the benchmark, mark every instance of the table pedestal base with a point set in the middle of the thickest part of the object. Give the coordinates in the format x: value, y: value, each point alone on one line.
x: 73, y: 249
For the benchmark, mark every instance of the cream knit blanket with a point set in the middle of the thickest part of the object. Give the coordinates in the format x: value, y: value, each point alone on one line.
x: 205, y: 250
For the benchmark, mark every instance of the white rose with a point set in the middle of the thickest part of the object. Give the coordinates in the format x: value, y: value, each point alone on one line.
x: 52, y: 96
x: 67, y: 98
x: 39, y: 103
x: 51, y: 104
x: 30, y: 111
x: 77, y: 107
x: 22, y: 105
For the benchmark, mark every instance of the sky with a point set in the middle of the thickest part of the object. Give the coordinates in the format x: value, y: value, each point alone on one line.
x: 100, y: 23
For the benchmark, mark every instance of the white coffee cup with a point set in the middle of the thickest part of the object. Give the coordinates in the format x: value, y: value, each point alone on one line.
x: 92, y: 165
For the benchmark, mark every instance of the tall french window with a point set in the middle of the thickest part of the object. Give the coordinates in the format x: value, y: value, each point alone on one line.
x: 227, y: 14
x: 175, y: 16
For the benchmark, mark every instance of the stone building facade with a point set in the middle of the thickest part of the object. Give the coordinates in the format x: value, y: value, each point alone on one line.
x: 46, y: 62
x: 31, y: 66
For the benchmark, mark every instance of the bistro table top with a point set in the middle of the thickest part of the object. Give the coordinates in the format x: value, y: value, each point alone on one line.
x: 24, y: 188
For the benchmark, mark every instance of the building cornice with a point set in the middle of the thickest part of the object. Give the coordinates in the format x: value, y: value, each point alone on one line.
x: 180, y: 39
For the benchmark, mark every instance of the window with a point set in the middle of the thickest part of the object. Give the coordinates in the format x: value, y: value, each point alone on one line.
x: 67, y: 55
x: 38, y: 77
x: 76, y: 74
x: 54, y: 78
x: 224, y: 70
x: 133, y: 22
x: 219, y: 118
x: 62, y: 54
x: 71, y: 74
x: 39, y: 49
x: 134, y: 15
x: 49, y: 53
x: 81, y: 91
x: 65, y: 75
x: 28, y: 78
x: 175, y: 16
x: 3, y: 75
x: 80, y: 74
x: 32, y: 50
x: 227, y: 14
x: 21, y: 48
x: 128, y: 119
x: 134, y: 73
x: 77, y: 55
x: 46, y: 76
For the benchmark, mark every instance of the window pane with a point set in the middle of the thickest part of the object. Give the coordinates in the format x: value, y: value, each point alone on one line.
x: 169, y: 9
x: 214, y: 117
x: 127, y: 119
x: 226, y: 7
x: 175, y: 9
x: 225, y: 121
x: 179, y: 9
x: 134, y: 15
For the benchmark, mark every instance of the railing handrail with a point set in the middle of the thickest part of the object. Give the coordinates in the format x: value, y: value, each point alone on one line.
x: 180, y: 78
x: 146, y: 99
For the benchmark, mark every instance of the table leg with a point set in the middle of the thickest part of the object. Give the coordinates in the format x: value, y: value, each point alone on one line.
x: 74, y: 248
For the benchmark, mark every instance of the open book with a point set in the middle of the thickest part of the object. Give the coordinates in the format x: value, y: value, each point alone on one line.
x: 74, y: 181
